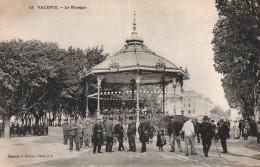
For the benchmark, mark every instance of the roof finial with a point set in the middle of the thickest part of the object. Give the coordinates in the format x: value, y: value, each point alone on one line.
x: 134, y: 25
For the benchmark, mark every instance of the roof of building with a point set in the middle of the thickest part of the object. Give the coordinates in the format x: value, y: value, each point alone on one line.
x: 135, y: 56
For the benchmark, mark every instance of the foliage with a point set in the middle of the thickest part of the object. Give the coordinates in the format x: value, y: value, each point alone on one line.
x: 217, y: 111
x: 236, y: 47
x: 38, y: 78
x: 75, y: 61
x: 30, y: 71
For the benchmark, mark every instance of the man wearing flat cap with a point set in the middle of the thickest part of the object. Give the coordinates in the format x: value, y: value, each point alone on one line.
x: 131, y: 134
x: 207, y: 134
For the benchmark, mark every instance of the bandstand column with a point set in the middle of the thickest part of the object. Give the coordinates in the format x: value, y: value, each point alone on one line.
x: 87, y: 111
x: 138, y: 81
x: 99, y: 80
x: 163, y: 89
x: 174, y: 83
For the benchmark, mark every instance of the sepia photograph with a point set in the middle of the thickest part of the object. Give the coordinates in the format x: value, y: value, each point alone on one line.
x: 129, y: 83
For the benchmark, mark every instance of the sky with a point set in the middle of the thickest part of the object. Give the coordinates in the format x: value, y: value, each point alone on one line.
x: 180, y: 31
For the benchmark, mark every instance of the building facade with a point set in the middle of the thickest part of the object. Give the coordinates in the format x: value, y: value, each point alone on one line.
x: 195, y: 105
x: 187, y: 103
x: 173, y: 103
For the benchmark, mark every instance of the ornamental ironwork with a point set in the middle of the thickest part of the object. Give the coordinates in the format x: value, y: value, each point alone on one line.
x: 113, y: 66
x: 160, y: 65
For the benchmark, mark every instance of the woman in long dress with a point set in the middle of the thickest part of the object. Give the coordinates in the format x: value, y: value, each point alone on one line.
x: 236, y: 130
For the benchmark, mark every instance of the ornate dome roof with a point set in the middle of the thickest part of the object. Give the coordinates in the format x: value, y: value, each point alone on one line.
x: 136, y: 56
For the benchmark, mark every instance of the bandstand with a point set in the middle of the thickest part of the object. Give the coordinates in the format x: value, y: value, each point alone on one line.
x: 134, y: 65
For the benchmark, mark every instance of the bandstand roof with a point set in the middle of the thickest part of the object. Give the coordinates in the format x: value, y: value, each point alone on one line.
x: 135, y: 58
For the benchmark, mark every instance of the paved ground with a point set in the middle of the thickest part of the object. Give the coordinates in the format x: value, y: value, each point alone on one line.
x: 45, y: 151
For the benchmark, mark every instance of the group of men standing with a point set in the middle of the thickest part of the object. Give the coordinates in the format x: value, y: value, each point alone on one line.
x: 106, y: 132
x: 77, y: 133
x: 22, y: 130
x: 206, y: 129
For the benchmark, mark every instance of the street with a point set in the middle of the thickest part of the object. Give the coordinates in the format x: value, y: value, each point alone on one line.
x: 45, y: 151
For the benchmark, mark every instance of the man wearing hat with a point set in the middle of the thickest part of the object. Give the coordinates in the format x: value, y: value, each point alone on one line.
x: 143, y: 130
x: 72, y: 128
x: 87, y: 133
x: 223, y: 133
x: 131, y: 134
x: 207, y: 133
x: 97, y: 137
x: 174, y: 132
x: 79, y: 136
x: 109, y: 128
x: 119, y: 131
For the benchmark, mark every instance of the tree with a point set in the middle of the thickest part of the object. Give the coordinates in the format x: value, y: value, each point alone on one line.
x: 29, y: 72
x: 217, y: 112
x: 236, y: 49
x: 74, y: 91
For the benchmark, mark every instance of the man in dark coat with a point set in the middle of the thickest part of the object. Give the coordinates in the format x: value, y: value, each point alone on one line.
x: 72, y: 127
x: 207, y: 134
x: 143, y: 130
x: 197, y: 129
x: 131, y: 131
x: 223, y: 133
x: 97, y: 137
x: 109, y: 128
x: 119, y: 131
x: 176, y: 127
x: 240, y: 127
x: 170, y: 129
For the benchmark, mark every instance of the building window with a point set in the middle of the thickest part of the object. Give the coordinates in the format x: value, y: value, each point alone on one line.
x: 189, y: 112
x: 189, y: 105
x: 193, y: 111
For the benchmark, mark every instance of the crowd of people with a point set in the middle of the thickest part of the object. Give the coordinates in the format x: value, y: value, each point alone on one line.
x: 104, y: 132
x: 244, y: 128
x: 23, y: 130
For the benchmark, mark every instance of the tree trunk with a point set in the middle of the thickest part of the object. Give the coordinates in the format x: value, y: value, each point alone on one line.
x: 7, y: 128
x: 36, y: 120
